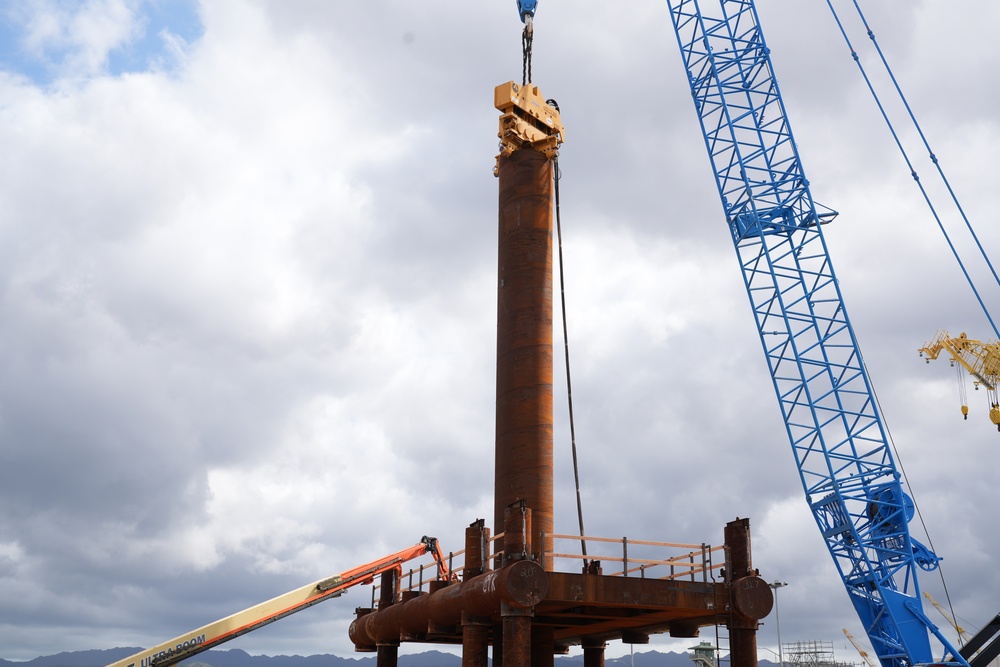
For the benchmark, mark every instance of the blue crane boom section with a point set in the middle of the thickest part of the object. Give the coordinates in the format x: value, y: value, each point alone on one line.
x: 833, y: 424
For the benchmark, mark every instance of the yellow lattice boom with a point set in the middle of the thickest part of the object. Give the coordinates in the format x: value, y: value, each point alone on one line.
x: 981, y: 360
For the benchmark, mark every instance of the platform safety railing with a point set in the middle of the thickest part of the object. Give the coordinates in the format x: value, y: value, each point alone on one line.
x: 615, y: 556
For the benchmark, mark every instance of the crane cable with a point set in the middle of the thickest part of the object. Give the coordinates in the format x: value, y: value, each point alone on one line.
x: 916, y: 506
x: 527, y: 38
x: 569, y: 381
x: 909, y: 163
x: 962, y: 394
x: 937, y: 219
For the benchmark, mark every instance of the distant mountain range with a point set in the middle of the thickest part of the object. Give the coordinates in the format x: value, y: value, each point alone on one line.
x: 239, y: 658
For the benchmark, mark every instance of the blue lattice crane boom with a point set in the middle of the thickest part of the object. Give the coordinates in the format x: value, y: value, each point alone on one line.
x: 832, y: 421
x: 837, y: 435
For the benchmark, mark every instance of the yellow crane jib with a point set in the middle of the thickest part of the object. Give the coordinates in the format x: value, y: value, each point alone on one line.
x: 980, y: 360
x: 528, y: 120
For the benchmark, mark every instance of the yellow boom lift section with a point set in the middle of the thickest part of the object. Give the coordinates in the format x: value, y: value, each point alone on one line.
x: 240, y: 623
x: 980, y: 360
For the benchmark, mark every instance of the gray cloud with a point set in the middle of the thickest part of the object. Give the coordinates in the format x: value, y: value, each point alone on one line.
x: 246, y: 309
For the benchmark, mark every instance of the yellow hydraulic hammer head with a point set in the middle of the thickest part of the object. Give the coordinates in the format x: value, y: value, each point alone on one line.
x: 528, y: 121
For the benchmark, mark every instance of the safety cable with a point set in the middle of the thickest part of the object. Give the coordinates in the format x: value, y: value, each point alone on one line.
x: 909, y: 163
x: 569, y: 381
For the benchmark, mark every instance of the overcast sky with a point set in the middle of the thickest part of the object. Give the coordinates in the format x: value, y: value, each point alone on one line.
x: 247, y: 300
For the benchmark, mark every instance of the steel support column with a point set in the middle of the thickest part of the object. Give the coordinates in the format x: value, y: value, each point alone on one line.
x: 388, y: 651
x: 475, y: 629
x: 750, y: 597
x: 593, y: 653
x: 524, y: 342
x: 516, y: 636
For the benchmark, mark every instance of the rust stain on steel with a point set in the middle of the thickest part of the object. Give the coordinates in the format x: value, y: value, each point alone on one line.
x: 570, y: 589
x: 752, y: 598
x: 475, y: 644
x: 524, y: 342
x: 516, y: 637
x: 518, y: 586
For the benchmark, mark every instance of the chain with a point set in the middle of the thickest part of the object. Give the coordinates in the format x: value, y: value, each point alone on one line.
x: 526, y: 38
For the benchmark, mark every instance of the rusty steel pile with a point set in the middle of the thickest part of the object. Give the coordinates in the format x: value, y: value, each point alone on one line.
x: 509, y: 595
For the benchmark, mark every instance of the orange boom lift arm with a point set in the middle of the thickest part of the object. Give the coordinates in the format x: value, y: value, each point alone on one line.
x: 248, y: 620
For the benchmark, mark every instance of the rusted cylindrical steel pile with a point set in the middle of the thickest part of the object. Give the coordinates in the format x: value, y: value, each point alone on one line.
x: 524, y: 343
x: 523, y: 608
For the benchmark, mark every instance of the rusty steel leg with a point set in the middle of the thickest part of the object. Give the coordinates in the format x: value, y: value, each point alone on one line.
x: 524, y: 342
x: 475, y: 641
x: 388, y: 652
x: 542, y: 646
x: 477, y: 540
x: 498, y: 644
x: 387, y: 656
x: 593, y: 653
x: 749, y: 595
x: 516, y: 636
x: 475, y: 629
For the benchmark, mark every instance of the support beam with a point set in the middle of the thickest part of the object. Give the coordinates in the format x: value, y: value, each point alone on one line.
x: 750, y: 596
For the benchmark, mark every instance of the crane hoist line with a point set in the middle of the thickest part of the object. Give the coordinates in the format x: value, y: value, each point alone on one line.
x: 526, y: 8
x: 837, y: 435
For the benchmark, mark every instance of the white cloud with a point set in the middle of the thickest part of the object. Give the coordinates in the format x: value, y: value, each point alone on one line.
x: 77, y: 38
x: 246, y: 307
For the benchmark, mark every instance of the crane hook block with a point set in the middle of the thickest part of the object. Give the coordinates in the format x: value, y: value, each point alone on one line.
x: 528, y: 121
x: 526, y: 8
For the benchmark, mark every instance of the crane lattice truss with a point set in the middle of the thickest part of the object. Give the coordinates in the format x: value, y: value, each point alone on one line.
x: 837, y: 436
x: 981, y: 360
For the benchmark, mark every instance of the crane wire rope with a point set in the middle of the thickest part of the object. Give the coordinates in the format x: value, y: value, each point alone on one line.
x: 527, y: 39
x: 902, y: 471
x: 916, y: 178
x: 906, y: 157
x: 569, y: 382
x: 962, y: 394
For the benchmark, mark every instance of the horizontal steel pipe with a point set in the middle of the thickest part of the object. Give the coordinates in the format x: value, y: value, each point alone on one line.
x: 522, y: 584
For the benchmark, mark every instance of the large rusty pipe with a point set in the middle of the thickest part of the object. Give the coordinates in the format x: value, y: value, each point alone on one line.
x: 749, y: 595
x: 520, y: 585
x: 524, y: 342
